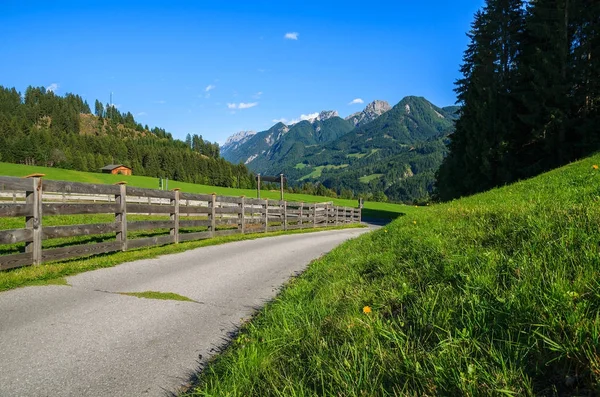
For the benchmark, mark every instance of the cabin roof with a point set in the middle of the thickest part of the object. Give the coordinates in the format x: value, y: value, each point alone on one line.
x: 111, y: 167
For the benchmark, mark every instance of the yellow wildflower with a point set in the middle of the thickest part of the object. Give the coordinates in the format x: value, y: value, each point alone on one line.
x: 415, y: 222
x: 366, y: 310
x: 595, y: 166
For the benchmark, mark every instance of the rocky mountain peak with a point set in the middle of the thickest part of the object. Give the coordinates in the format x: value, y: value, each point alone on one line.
x: 237, y: 139
x: 370, y: 113
x: 327, y: 114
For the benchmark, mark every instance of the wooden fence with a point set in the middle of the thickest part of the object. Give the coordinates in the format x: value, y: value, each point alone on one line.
x: 236, y: 215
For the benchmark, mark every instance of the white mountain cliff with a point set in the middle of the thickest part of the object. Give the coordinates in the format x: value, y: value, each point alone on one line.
x: 370, y: 113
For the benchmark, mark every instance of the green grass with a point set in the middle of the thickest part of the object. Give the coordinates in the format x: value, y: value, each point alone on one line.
x: 495, y: 294
x: 356, y: 155
x: 300, y: 166
x: 54, y: 272
x: 61, y: 220
x: 158, y: 295
x: 369, y: 178
x: 318, y: 171
x: 361, y: 155
x: 20, y: 170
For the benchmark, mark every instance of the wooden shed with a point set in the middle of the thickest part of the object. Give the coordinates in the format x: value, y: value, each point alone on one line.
x: 116, y: 169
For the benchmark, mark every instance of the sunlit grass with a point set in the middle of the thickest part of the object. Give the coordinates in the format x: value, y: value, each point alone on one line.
x: 20, y: 170
x: 495, y: 294
x: 54, y: 271
x: 158, y: 295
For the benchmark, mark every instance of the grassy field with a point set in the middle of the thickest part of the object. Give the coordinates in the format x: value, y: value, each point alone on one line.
x: 318, y: 171
x: 369, y: 178
x: 54, y: 272
x: 497, y: 294
x: 9, y: 169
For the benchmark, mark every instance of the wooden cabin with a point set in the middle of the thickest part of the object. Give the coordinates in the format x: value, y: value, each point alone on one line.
x: 116, y: 169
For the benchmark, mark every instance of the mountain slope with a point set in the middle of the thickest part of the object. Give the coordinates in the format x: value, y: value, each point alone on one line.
x: 42, y: 128
x: 370, y: 113
x: 393, y: 152
x: 396, y: 155
x: 414, y: 119
x: 267, y: 150
x: 236, y: 140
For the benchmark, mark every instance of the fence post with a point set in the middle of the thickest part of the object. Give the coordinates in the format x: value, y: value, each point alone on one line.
x: 213, y: 221
x: 314, y: 215
x: 121, y: 214
x: 285, y: 216
x: 266, y: 215
x: 175, y: 216
x: 336, y: 209
x: 242, y: 216
x: 33, y: 198
x: 300, y: 215
x: 360, y: 215
x: 258, y: 186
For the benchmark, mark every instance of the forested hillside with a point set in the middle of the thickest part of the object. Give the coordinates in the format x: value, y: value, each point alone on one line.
x: 392, y: 154
x: 41, y: 128
x: 530, y: 94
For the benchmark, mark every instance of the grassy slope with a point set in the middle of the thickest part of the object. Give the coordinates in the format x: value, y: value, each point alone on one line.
x: 318, y: 171
x: 152, y: 183
x: 495, y: 294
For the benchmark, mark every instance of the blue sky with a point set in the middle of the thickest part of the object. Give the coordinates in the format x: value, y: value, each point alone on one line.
x: 214, y: 67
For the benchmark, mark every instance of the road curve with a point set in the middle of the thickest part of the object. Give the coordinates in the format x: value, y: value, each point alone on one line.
x: 86, y: 339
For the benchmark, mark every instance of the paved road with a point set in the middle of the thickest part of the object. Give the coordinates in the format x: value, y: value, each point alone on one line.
x: 86, y: 339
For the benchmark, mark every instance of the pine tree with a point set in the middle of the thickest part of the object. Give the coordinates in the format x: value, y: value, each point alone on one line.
x: 479, y: 155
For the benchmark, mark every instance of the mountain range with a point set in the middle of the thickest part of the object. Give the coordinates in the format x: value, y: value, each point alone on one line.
x: 382, y: 151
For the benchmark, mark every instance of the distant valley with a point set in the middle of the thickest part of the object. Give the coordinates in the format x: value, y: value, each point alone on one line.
x: 380, y: 153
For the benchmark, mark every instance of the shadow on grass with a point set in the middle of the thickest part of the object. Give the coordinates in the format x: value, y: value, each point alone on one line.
x: 368, y: 213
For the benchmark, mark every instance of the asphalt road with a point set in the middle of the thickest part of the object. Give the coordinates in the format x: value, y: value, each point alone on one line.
x: 86, y: 339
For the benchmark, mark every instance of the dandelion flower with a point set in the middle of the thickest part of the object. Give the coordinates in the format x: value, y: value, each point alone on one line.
x: 595, y: 166
x: 385, y: 230
x: 415, y: 222
x: 366, y: 310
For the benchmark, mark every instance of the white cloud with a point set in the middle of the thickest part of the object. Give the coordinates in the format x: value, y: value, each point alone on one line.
x: 356, y: 101
x: 257, y: 95
x: 303, y: 117
x: 243, y: 105
x: 291, y: 36
x: 210, y: 87
x: 52, y: 87
x: 284, y: 121
x: 141, y: 114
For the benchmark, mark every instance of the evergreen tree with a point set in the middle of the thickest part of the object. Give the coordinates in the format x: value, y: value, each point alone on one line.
x: 99, y: 109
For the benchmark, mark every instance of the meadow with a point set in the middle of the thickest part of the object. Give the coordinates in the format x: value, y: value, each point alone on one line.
x: 388, y: 210
x: 54, y: 272
x: 497, y: 294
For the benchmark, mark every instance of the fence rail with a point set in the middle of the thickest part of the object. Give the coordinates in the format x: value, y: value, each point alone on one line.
x: 221, y: 216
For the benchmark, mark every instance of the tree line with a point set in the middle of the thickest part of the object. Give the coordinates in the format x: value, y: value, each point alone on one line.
x: 41, y: 128
x: 529, y: 95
